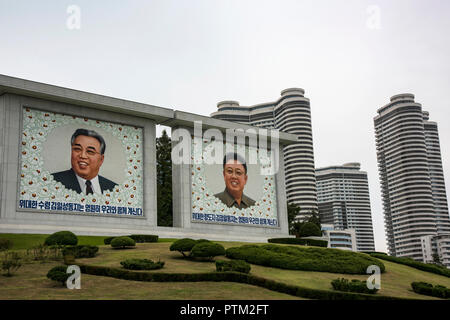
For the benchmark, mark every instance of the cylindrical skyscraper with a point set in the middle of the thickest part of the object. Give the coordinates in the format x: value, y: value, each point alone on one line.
x: 290, y: 113
x: 344, y: 201
x: 411, y: 176
x: 293, y: 115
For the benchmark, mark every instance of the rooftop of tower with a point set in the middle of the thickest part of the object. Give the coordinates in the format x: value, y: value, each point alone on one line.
x: 403, y: 96
x: 232, y: 104
x: 354, y: 166
x: 397, y: 99
x: 296, y: 91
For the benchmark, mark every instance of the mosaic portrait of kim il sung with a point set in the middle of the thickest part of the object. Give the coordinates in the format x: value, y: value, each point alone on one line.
x: 78, y: 165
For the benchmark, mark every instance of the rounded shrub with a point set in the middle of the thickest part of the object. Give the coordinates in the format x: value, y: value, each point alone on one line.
x: 81, y: 251
x: 202, y: 240
x: 233, y: 265
x: 422, y: 287
x: 207, y: 250
x: 108, y: 240
x: 307, y: 259
x: 122, y: 242
x: 183, y: 245
x: 87, y: 251
x: 141, y: 264
x: 61, y: 238
x: 59, y: 274
x: 428, y: 289
x: 5, y: 244
x: 309, y: 229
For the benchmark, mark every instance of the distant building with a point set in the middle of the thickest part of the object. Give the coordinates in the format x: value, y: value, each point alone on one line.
x: 290, y: 113
x: 343, y: 196
x: 411, y: 176
x: 339, y: 239
x: 436, y: 246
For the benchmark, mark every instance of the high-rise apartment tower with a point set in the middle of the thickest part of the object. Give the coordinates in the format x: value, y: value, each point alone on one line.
x: 411, y: 175
x: 344, y: 202
x: 290, y: 113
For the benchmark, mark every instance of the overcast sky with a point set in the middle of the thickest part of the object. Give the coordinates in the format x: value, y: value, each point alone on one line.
x: 349, y: 56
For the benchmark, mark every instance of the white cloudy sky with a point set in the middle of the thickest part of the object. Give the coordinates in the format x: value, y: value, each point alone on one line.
x: 349, y: 56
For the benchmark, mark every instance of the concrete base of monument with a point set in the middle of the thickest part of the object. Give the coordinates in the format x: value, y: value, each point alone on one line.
x: 162, y: 232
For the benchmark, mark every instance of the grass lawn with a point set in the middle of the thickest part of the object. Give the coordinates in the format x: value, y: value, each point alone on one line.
x: 26, y: 241
x: 396, y: 281
x: 30, y: 281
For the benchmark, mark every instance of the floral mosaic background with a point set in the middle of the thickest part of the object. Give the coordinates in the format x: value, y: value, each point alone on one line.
x: 203, y: 200
x: 36, y: 183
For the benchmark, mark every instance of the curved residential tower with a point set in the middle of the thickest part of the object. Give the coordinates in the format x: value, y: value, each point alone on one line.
x: 411, y: 176
x: 290, y: 113
x: 344, y: 201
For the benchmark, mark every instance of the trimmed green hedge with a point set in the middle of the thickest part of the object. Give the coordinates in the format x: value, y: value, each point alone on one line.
x: 81, y: 251
x: 122, y: 242
x: 59, y: 274
x: 138, y: 238
x: 354, y: 285
x: 232, y: 265
x: 202, y: 240
x: 108, y: 240
x: 308, y: 259
x: 142, y: 238
x: 183, y: 245
x: 230, y: 277
x: 61, y: 238
x: 300, y: 241
x: 141, y: 264
x: 430, y: 290
x: 206, y: 249
x: 414, y: 264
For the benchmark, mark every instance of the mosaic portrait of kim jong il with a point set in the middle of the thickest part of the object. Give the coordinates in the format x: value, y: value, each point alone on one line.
x: 235, y: 178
